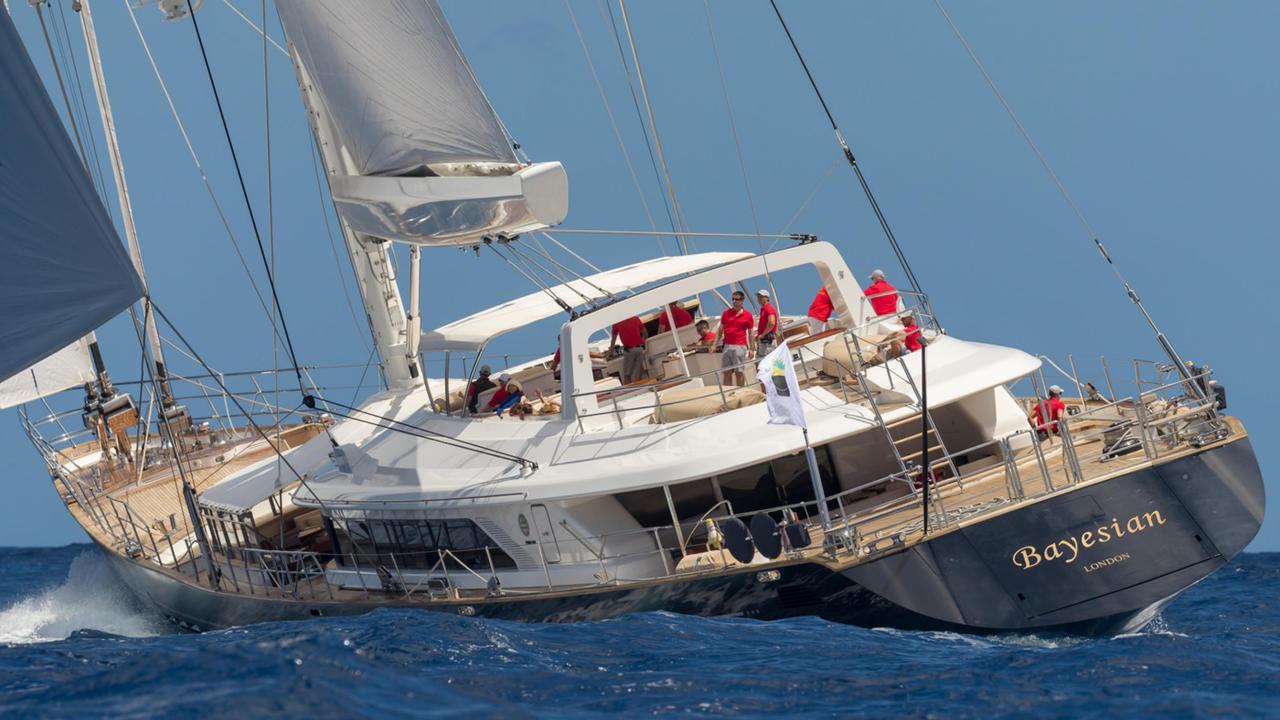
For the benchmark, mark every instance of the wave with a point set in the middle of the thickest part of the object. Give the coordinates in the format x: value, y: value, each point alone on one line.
x: 90, y: 601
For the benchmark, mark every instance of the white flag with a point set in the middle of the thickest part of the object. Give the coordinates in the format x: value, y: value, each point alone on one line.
x: 778, y: 376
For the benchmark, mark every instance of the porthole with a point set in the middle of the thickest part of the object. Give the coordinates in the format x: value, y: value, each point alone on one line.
x: 524, y: 524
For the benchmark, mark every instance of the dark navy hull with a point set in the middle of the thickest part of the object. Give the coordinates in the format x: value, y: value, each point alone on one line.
x: 1097, y: 560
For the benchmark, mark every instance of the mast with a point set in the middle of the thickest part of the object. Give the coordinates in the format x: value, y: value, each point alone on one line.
x: 122, y: 193
x: 370, y: 256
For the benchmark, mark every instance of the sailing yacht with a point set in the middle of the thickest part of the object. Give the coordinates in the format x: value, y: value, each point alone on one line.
x: 917, y: 495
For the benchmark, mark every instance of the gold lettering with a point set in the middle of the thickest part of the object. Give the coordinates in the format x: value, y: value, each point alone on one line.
x: 1026, y: 557
x: 1071, y: 543
x: 1068, y: 549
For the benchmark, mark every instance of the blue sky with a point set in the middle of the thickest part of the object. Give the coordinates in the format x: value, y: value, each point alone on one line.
x: 1159, y: 116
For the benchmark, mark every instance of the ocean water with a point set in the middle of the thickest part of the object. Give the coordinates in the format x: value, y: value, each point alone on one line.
x: 74, y: 644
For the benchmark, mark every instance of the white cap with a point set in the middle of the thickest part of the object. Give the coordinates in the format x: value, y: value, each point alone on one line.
x: 504, y: 377
x: 877, y: 274
x: 1055, y: 390
x: 762, y: 293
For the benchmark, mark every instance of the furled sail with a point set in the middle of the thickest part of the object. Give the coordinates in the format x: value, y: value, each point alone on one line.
x: 424, y: 157
x: 63, y: 270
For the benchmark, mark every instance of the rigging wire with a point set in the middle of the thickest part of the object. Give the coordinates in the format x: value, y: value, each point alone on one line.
x: 528, y: 259
x: 261, y: 31
x: 808, y: 199
x: 244, y: 190
x: 236, y: 401
x: 617, y: 134
x: 66, y: 101
x: 737, y: 143
x: 848, y: 154
x: 653, y: 127
x: 204, y: 178
x: 563, y: 305
x: 415, y: 431
x: 271, y: 237
x: 361, y: 328
x: 1132, y: 294
x: 516, y: 147
x: 81, y: 103
x: 635, y: 103
x: 733, y: 125
x: 66, y: 50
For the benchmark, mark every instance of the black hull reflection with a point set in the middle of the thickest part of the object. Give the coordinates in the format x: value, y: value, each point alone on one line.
x: 1098, y: 560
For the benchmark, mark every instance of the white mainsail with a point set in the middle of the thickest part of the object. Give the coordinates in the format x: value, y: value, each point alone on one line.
x: 64, y: 271
x: 425, y: 158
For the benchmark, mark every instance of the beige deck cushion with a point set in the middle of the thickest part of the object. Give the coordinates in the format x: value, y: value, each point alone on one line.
x: 837, y: 361
x: 455, y: 402
x: 687, y: 403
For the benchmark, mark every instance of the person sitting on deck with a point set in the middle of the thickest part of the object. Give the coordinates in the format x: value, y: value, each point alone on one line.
x: 882, y: 296
x: 906, y: 340
x: 509, y: 393
x: 481, y: 384
x: 633, y: 335
x: 1056, y: 410
x: 706, y: 336
x: 767, y: 332
x: 820, y: 311
x: 679, y: 314
x: 736, y: 329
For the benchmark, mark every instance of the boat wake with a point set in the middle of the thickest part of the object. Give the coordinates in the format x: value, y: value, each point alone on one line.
x: 90, y: 602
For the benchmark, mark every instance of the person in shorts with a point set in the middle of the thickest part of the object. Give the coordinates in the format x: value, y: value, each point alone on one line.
x: 736, y: 331
x: 767, y: 332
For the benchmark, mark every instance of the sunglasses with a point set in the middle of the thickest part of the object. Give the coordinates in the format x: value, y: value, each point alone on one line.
x: 738, y: 298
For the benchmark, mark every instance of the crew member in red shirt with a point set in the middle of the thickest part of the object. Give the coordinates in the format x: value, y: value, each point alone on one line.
x: 882, y: 295
x: 679, y: 314
x: 767, y: 330
x: 706, y: 336
x: 1056, y: 410
x: 906, y: 340
x: 736, y: 328
x: 820, y: 311
x: 633, y: 335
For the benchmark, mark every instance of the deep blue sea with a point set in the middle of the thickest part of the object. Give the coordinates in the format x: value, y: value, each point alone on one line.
x: 72, y: 644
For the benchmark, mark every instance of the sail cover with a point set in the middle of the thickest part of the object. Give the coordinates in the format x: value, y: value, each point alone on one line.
x: 390, y: 76
x: 63, y: 270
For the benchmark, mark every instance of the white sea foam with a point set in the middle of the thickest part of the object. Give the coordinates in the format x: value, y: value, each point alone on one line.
x: 91, y: 598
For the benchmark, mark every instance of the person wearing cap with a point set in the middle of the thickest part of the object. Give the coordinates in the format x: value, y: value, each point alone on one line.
x: 882, y: 296
x: 820, y: 311
x: 1056, y: 410
x: 767, y: 330
x: 481, y: 384
x: 906, y: 340
x: 509, y: 393
x: 736, y: 328
x: 679, y: 314
x: 633, y: 335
